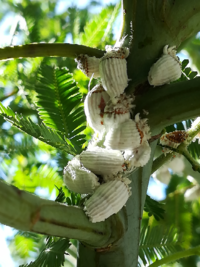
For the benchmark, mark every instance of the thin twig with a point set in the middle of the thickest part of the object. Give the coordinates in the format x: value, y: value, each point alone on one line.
x: 48, y: 50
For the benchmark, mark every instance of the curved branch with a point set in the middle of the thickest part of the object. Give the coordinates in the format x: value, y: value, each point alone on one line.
x: 28, y: 212
x: 48, y: 50
x: 169, y: 104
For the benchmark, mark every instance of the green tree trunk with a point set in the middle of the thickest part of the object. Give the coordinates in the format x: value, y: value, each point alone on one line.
x: 149, y: 26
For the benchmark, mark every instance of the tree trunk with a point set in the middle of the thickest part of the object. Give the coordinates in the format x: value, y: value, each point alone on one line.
x: 148, y: 27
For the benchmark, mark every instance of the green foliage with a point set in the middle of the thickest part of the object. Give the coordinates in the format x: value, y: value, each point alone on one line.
x: 25, y: 244
x: 178, y: 212
x: 53, y: 255
x: 41, y: 132
x: 187, y: 72
x: 192, y: 48
x: 59, y: 103
x: 96, y: 31
x: 74, y: 199
x: 32, y: 177
x: 157, y: 242
x: 153, y: 207
x: 61, y: 195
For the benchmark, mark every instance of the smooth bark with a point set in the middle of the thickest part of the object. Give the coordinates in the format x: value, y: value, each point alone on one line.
x: 28, y: 212
x: 48, y: 50
x: 169, y: 104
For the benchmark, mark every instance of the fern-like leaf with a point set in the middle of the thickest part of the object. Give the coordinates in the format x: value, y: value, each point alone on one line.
x: 53, y: 255
x: 59, y: 103
x: 96, y: 30
x: 154, y: 208
x: 157, y: 242
x: 187, y: 72
x: 41, y: 132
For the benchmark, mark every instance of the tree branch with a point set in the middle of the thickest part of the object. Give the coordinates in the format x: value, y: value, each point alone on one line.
x: 28, y: 212
x: 48, y: 50
x: 182, y: 149
x: 159, y: 161
x: 153, y: 25
x: 170, y: 104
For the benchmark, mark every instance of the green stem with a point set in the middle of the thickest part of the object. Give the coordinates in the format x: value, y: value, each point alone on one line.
x: 159, y: 161
x: 193, y: 131
x: 48, y: 50
x: 182, y: 149
x: 176, y: 256
x: 28, y: 212
x: 128, y: 21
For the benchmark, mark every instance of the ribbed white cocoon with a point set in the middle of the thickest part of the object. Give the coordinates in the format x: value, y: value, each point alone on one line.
x: 125, y: 136
x: 88, y: 65
x: 107, y: 200
x: 79, y: 179
x: 102, y: 161
x: 167, y: 69
x: 143, y: 127
x: 113, y: 72
x: 115, y: 114
x: 141, y: 155
x: 117, y: 52
x: 95, y: 103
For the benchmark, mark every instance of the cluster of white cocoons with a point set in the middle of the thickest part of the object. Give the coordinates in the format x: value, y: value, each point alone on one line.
x: 99, y: 172
x: 122, y: 143
x: 167, y: 69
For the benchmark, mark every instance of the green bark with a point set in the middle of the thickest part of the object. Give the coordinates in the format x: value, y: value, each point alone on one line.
x: 169, y: 104
x: 150, y: 25
x: 28, y: 212
x: 48, y: 50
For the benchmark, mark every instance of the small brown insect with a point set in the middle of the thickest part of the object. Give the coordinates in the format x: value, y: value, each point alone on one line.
x: 173, y: 139
x: 177, y: 136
